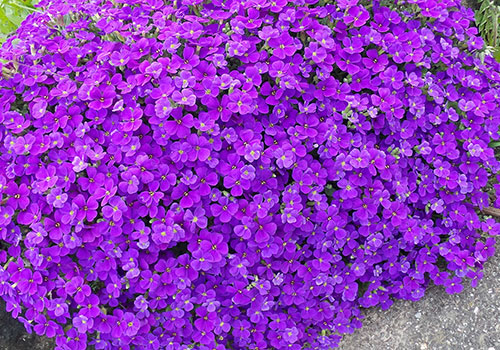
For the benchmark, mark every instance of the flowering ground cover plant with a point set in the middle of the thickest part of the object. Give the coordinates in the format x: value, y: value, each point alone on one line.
x: 239, y: 174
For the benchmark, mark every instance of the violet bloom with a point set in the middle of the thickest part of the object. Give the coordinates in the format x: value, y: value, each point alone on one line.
x: 78, y: 289
x: 215, y: 246
x: 278, y: 69
x: 24, y: 144
x: 180, y: 126
x: 283, y: 46
x: 29, y: 281
x: 163, y: 108
x: 284, y: 159
x: 252, y: 151
x: 102, y: 97
x: 82, y: 323
x: 197, y: 218
x: 206, y: 320
x: 162, y: 234
x: 106, y: 192
x: 180, y: 151
x: 265, y: 229
x: 18, y: 195
x: 64, y: 88
x: 201, y: 260
x: 200, y: 148
x: 93, y: 180
x: 164, y: 90
x: 365, y: 208
x: 184, y: 80
x: 396, y: 213
x: 79, y: 164
x: 357, y: 15
x: 153, y: 196
x: 115, y: 209
x: 315, y: 52
x: 185, y: 97
x: 454, y: 285
x: 120, y: 58
x: 45, y: 326
x: 207, y: 179
x: 87, y: 208
x: 38, y: 110
x: 188, y: 197
x: 71, y: 241
x: 290, y: 335
x: 224, y: 210
x: 248, y: 172
x: 240, y: 102
x: 131, y: 323
x: 57, y: 198
x: 129, y: 184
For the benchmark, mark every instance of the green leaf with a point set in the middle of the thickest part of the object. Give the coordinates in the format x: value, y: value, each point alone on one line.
x: 12, y: 13
x: 6, y: 25
x: 487, y: 21
x: 496, y: 54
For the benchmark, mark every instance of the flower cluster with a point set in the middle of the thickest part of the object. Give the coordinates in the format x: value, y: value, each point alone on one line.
x: 239, y: 174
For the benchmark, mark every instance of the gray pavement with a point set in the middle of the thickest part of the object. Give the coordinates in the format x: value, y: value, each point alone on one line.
x: 13, y: 336
x: 466, y: 321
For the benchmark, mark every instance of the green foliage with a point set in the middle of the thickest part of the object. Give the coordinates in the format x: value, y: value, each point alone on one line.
x: 488, y: 24
x: 487, y: 20
x: 12, y: 13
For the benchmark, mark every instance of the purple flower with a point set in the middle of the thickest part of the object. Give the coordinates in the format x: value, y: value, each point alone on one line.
x: 224, y: 209
x: 28, y: 281
x: 240, y: 102
x: 185, y: 97
x: 284, y: 159
x: 453, y: 285
x: 201, y: 260
x: 115, y: 209
x: 357, y: 15
x: 76, y: 288
x: 162, y: 234
x: 105, y: 192
x: 215, y: 246
x: 129, y: 184
x: 315, y: 52
x: 120, y: 58
x: 283, y: 46
x: 131, y: 323
x: 18, y: 195
x: 64, y: 88
x: 206, y: 320
x: 82, y: 323
x: 38, y: 110
x: 102, y: 97
x: 232, y: 175
x: 57, y: 198
x: 45, y: 327
x: 197, y: 218
x: 290, y: 335
x: 79, y: 164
